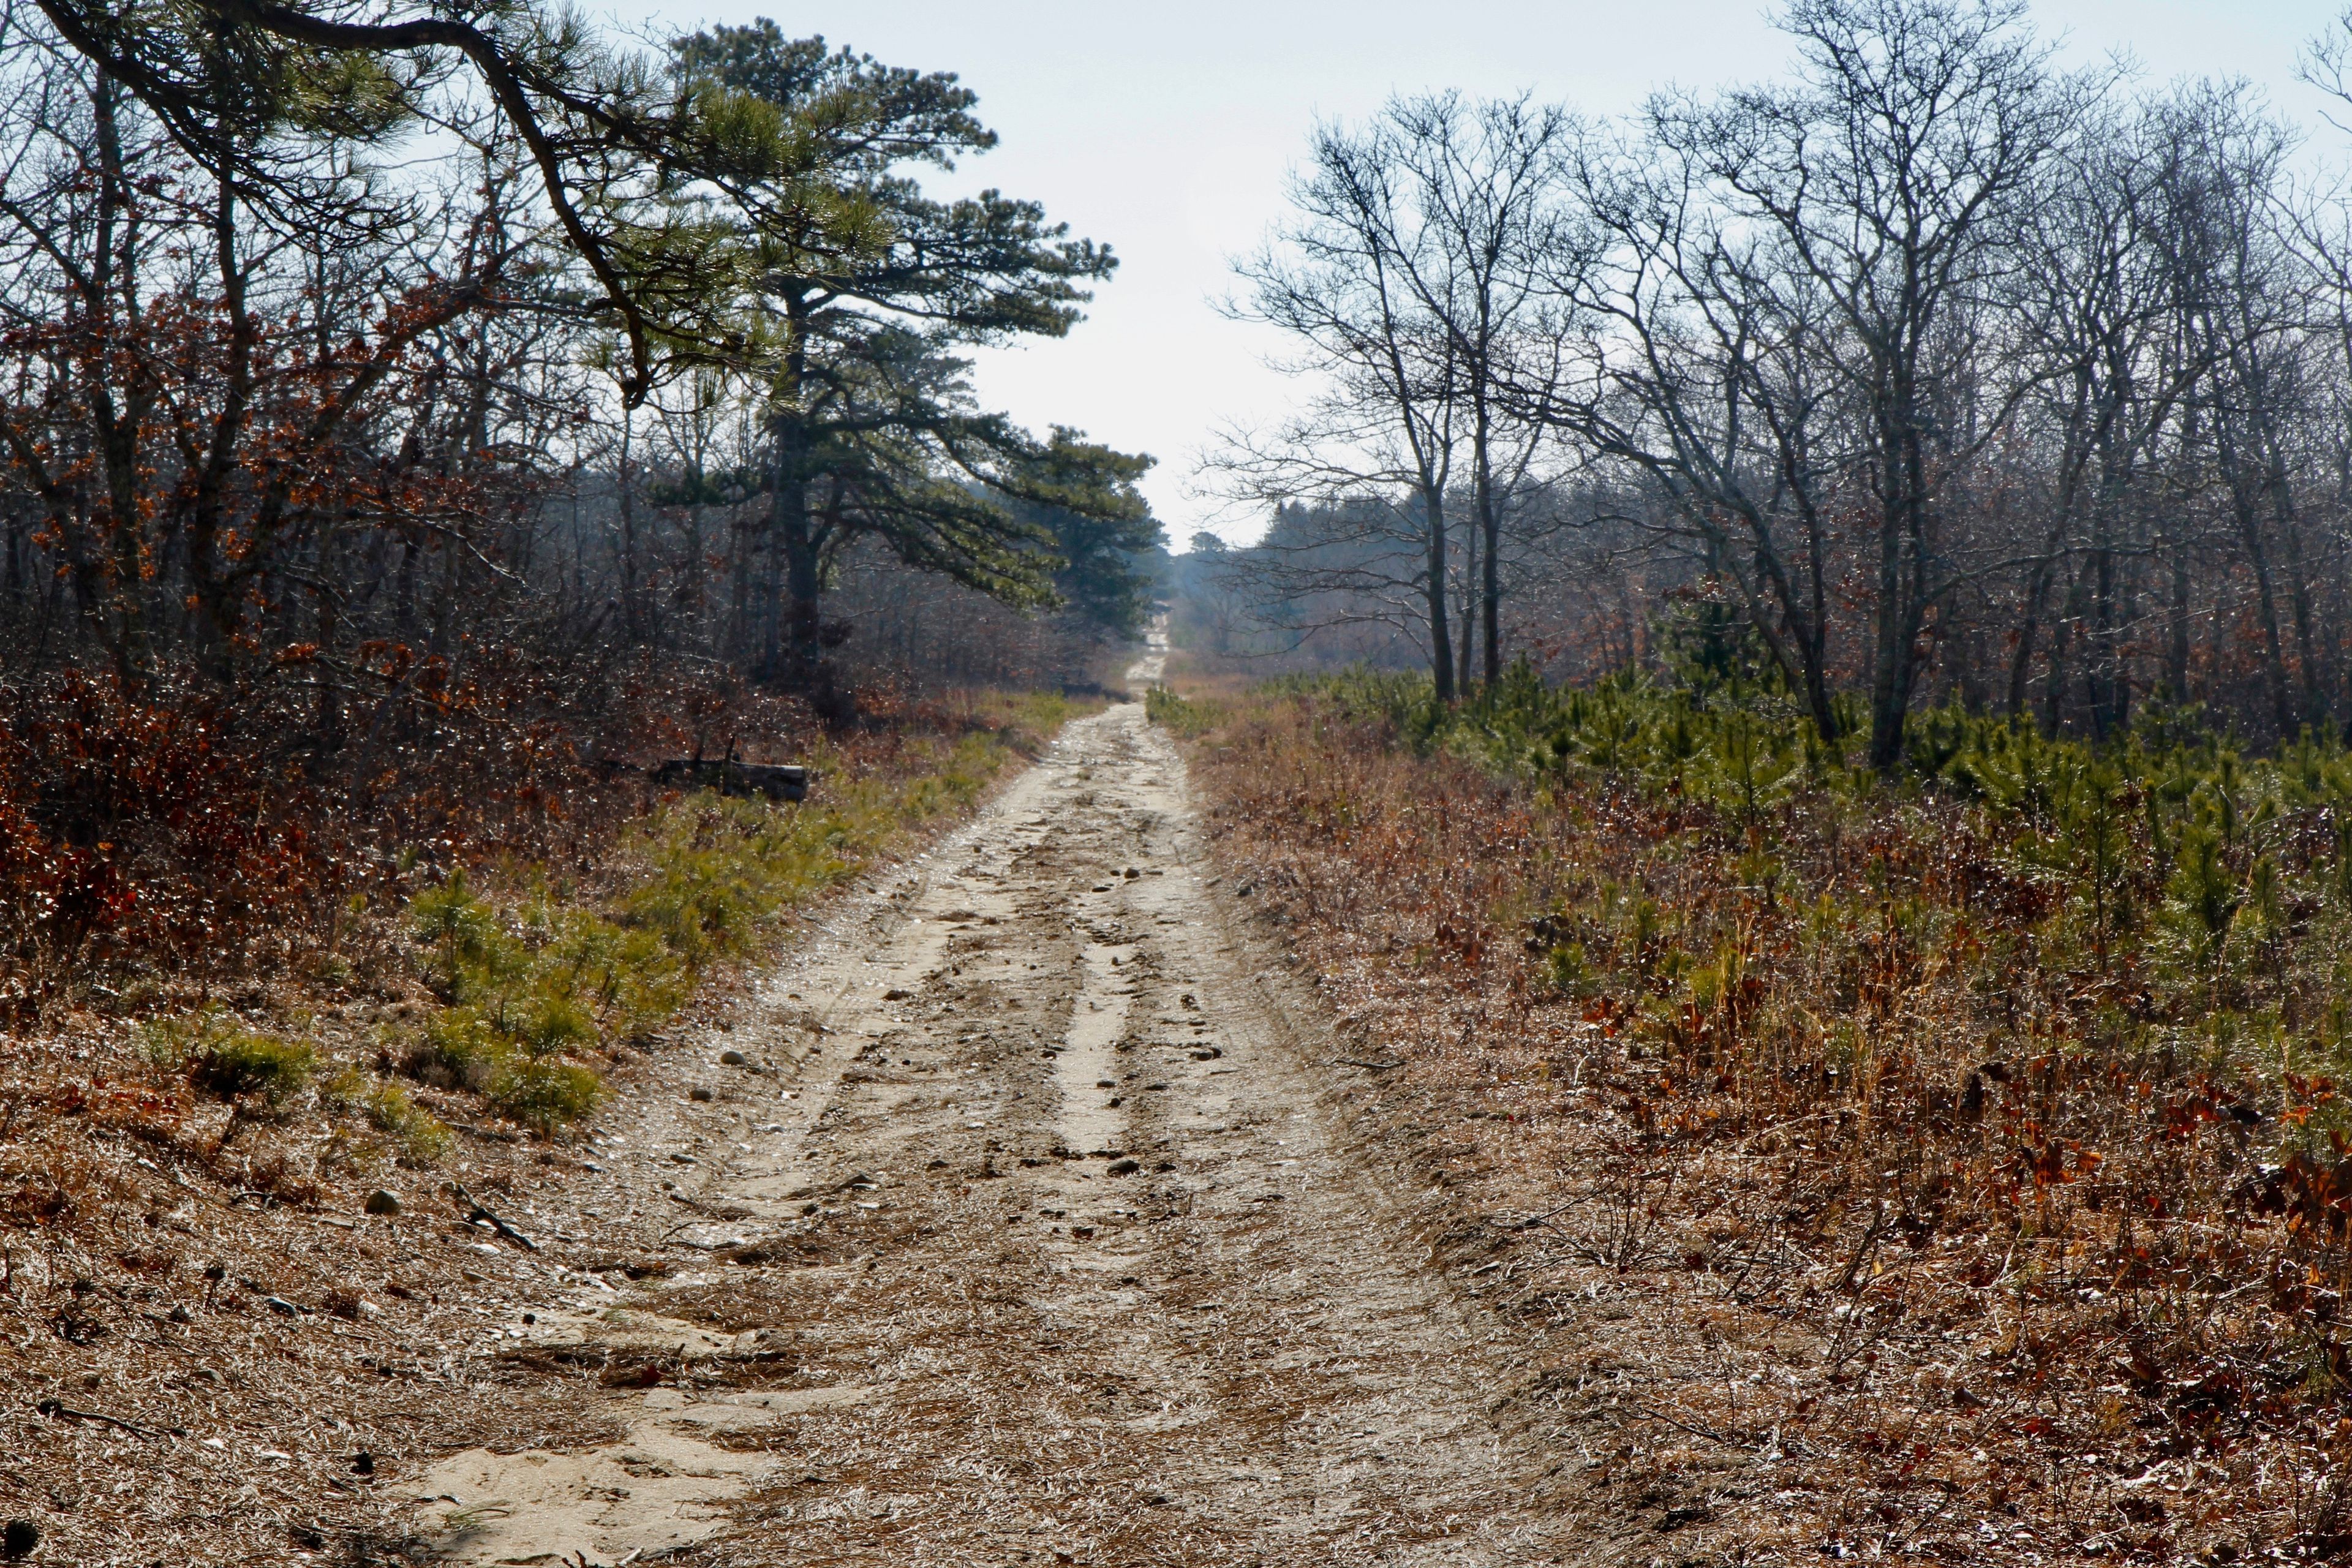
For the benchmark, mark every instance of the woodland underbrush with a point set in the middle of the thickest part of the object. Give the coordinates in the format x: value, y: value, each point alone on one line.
x: 185, y: 836
x: 491, y: 1000
x: 1951, y: 1165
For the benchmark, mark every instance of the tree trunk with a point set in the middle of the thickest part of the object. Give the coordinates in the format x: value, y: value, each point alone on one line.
x: 789, y: 644
x: 742, y: 614
x: 1440, y: 636
x: 1899, y: 615
x: 632, y: 618
x: 1468, y: 645
x: 2298, y: 588
x: 1492, y: 583
x: 1488, y: 566
x: 2250, y: 535
x: 2176, y: 662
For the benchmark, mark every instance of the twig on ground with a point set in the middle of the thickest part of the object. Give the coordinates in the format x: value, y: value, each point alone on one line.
x: 1881, y: 1222
x: 58, y: 1408
x: 479, y: 1210
x: 1694, y: 1431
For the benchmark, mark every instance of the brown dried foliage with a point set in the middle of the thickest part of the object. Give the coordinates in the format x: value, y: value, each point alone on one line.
x: 1866, y: 1246
x: 205, y: 1333
x: 186, y: 838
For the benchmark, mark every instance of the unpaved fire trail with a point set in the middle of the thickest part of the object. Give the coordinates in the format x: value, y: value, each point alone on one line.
x: 1018, y: 1237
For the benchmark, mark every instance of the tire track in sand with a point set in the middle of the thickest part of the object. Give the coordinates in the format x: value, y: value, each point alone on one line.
x: 1021, y: 1238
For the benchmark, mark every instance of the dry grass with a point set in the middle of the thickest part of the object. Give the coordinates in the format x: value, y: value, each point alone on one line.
x: 1843, y: 1242
x: 204, y: 1331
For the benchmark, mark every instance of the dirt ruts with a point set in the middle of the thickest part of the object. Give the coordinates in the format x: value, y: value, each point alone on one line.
x: 1018, y: 1233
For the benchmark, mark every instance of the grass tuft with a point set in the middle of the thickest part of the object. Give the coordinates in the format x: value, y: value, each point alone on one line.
x: 223, y: 1057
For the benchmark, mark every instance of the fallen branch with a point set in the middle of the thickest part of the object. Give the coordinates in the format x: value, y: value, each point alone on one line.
x: 58, y: 1408
x: 479, y: 1210
x: 786, y: 782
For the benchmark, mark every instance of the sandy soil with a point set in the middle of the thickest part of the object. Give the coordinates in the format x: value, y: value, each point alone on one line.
x: 1021, y: 1232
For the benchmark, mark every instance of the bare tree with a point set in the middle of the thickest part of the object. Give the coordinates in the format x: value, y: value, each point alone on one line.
x: 1793, y: 309
x: 1480, y: 181
x: 1950, y: 373
x: 1378, y: 436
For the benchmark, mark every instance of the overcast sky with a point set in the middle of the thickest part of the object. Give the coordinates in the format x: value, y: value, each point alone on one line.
x: 1167, y: 130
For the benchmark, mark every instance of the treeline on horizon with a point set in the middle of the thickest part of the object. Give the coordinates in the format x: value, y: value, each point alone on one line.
x: 411, y: 426
x: 1928, y: 371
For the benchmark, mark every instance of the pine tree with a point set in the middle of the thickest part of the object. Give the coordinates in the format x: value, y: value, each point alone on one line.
x: 862, y: 292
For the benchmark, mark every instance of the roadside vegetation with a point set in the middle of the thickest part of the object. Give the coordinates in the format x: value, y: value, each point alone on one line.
x: 409, y: 453
x: 1996, y: 1106
x: 1852, y: 904
x: 184, y: 1164
x: 502, y: 996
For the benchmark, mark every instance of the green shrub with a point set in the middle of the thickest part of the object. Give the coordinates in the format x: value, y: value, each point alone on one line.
x: 460, y: 1050
x: 1180, y: 715
x: 470, y: 954
x: 1566, y: 971
x: 623, y: 981
x: 2206, y: 895
x: 463, y: 1049
x: 233, y: 1060
x: 167, y: 1045
x: 544, y: 1094
x: 220, y: 1055
x: 555, y: 1025
x: 419, y: 1138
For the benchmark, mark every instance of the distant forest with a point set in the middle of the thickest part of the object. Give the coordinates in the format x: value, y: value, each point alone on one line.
x: 1930, y: 370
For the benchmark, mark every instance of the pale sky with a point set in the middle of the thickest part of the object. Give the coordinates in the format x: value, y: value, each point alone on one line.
x: 1166, y: 130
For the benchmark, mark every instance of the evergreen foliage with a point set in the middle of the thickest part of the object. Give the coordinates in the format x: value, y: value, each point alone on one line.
x: 854, y: 307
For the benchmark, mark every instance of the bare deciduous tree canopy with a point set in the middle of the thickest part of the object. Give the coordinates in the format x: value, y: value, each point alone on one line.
x: 1943, y: 370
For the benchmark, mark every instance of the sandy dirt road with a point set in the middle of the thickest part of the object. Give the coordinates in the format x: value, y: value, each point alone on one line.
x: 1019, y: 1236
